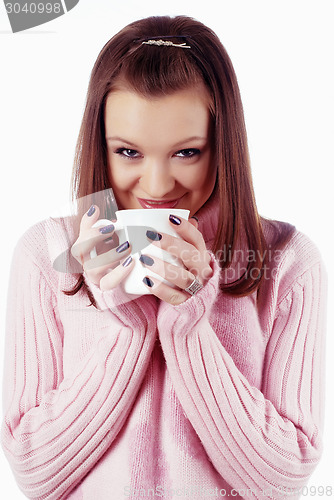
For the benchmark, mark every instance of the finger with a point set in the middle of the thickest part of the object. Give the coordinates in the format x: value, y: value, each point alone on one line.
x: 90, y: 236
x: 165, y: 292
x: 89, y: 218
x: 79, y: 248
x: 194, y: 221
x: 117, y: 275
x: 197, y: 262
x: 187, y: 230
x: 93, y: 237
x: 177, y: 275
x: 96, y: 274
x: 106, y: 259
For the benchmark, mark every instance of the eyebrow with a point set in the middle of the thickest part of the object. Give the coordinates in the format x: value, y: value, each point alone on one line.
x: 188, y: 139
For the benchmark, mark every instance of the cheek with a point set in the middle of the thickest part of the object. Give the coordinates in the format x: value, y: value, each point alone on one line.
x: 196, y: 179
x: 121, y: 178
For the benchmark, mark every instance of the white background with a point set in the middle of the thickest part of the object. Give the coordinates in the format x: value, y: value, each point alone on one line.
x: 282, y: 52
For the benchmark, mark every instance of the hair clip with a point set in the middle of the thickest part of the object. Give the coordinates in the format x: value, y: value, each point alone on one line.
x: 167, y: 43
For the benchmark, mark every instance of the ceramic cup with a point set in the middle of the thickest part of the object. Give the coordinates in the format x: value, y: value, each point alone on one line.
x: 131, y: 225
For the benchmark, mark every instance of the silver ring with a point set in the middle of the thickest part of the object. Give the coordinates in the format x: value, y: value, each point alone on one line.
x: 195, y: 287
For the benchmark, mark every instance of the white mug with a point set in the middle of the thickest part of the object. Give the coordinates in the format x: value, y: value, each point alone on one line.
x: 131, y: 225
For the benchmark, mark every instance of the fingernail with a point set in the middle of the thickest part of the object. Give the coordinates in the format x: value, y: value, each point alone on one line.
x: 175, y: 220
x: 127, y: 261
x: 145, y: 259
x: 91, y: 211
x: 122, y: 247
x: 107, y: 229
x: 194, y: 217
x: 108, y: 240
x: 148, y: 281
x: 152, y: 235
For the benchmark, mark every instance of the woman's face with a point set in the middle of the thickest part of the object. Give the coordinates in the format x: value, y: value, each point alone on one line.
x: 160, y: 149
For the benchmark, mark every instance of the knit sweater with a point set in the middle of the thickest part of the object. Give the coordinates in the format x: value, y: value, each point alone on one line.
x: 218, y: 396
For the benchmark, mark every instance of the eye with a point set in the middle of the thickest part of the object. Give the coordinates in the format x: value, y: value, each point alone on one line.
x: 187, y: 153
x: 127, y: 153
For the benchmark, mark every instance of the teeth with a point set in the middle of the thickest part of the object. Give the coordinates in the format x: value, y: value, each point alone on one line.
x: 156, y: 202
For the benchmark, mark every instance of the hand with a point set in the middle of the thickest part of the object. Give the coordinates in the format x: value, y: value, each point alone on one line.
x: 112, y: 264
x: 191, y: 250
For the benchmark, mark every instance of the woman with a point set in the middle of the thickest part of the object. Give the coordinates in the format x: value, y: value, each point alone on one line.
x: 210, y: 388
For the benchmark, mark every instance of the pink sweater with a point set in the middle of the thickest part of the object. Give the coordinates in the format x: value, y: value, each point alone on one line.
x: 215, y: 397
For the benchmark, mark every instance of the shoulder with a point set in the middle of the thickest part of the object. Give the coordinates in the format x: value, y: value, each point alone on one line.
x: 294, y: 260
x: 46, y: 238
x: 46, y: 245
x: 290, y: 246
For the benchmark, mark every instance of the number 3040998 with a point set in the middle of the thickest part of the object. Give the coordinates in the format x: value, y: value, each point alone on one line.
x: 33, y: 8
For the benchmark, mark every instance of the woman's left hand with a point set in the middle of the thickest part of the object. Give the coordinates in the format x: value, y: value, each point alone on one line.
x: 191, y: 250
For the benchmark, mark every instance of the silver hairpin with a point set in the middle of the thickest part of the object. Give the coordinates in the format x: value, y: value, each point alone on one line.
x: 167, y: 43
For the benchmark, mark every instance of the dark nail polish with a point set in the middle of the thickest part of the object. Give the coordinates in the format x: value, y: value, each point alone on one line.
x: 108, y: 240
x: 107, y: 229
x: 91, y: 211
x: 127, y: 261
x: 145, y: 259
x: 148, y: 282
x: 152, y: 235
x: 175, y: 220
x: 122, y: 247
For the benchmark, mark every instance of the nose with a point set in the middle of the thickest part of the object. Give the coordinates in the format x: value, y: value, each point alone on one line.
x: 156, y: 179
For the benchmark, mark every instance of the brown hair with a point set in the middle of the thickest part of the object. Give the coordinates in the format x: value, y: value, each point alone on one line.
x: 152, y: 71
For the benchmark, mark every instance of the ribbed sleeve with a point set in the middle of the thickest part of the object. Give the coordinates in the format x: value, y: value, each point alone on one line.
x: 219, y: 393
x: 268, y: 440
x: 55, y: 429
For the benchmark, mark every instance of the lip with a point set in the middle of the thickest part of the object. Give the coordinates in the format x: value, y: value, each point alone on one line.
x: 158, y: 203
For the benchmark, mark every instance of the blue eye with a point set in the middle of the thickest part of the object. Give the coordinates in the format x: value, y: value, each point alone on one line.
x: 127, y: 153
x: 187, y: 153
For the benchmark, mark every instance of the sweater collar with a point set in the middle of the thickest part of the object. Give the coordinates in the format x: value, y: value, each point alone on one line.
x: 208, y: 216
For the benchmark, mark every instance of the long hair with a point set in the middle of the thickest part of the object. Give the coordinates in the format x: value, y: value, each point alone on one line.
x: 152, y: 70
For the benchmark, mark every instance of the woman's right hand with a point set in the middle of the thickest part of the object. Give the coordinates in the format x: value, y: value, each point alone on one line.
x: 109, y: 267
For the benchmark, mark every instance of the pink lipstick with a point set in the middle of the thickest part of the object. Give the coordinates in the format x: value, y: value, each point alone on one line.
x: 158, y: 203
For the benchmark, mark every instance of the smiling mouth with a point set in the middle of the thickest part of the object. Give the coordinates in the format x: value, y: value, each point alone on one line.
x: 158, y: 203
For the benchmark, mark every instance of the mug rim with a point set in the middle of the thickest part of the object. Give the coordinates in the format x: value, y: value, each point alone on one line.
x: 170, y: 210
